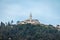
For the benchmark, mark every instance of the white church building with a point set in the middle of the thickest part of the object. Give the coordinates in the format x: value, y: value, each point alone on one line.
x: 30, y: 20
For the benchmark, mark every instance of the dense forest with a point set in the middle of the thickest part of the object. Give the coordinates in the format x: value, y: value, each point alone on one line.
x: 28, y: 32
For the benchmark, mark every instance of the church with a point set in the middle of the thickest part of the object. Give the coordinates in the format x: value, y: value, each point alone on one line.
x: 30, y: 20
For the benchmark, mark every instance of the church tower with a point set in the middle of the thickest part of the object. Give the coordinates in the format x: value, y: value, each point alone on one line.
x: 30, y: 20
x: 30, y: 16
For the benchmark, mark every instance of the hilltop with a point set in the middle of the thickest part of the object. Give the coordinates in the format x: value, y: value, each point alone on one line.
x: 29, y: 29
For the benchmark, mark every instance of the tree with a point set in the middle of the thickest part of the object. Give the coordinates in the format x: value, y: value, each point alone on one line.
x: 2, y: 24
x: 11, y: 21
x: 9, y: 24
x: 18, y: 22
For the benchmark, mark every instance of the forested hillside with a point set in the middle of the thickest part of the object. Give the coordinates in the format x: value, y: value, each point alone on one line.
x: 28, y: 32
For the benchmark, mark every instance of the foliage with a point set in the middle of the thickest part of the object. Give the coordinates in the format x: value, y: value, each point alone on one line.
x: 28, y: 32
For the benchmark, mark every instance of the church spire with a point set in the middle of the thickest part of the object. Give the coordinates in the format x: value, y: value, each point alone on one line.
x: 30, y: 15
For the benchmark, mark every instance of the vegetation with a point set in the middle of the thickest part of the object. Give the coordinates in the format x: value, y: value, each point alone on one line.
x: 28, y: 32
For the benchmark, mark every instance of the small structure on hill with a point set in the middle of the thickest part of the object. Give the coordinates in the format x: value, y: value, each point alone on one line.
x: 30, y: 20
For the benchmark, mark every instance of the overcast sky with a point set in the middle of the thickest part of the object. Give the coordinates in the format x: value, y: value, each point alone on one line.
x: 46, y: 11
